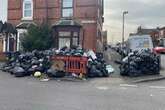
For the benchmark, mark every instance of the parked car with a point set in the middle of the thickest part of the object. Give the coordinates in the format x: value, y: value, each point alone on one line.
x: 161, y: 47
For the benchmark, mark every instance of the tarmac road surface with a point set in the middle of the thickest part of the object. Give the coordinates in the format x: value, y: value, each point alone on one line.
x: 97, y: 94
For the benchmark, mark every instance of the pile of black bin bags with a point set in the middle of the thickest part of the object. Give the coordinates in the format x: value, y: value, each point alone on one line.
x: 26, y: 64
x: 140, y: 63
x: 97, y: 67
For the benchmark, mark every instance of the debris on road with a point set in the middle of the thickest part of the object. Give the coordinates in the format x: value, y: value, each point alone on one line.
x: 110, y: 69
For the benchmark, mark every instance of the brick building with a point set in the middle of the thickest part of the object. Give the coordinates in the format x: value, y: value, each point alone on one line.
x: 105, y: 39
x: 154, y: 33
x: 75, y: 22
x: 162, y: 32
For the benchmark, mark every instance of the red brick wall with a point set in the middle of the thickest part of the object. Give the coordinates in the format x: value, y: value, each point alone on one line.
x: 162, y: 33
x: 90, y: 36
x: 14, y: 11
x: 39, y: 11
x: 83, y: 10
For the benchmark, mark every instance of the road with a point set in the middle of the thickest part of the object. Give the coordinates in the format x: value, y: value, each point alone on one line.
x: 96, y: 94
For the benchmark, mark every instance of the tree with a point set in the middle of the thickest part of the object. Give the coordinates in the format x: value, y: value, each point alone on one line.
x: 37, y: 38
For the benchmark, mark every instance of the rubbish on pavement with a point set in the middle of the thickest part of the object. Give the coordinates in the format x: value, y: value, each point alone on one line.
x: 139, y: 63
x: 19, y: 72
x: 41, y: 65
x: 91, y: 54
x: 97, y: 68
x: 110, y: 69
x: 55, y: 73
x: 44, y: 80
x: 37, y: 74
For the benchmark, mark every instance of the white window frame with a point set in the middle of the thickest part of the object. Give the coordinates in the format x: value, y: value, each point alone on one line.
x: 66, y: 8
x: 24, y: 17
x: 20, y: 31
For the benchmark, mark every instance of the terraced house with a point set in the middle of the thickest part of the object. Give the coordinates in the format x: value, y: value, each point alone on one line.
x: 75, y: 22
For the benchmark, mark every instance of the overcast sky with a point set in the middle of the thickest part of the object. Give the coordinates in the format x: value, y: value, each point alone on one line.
x: 3, y: 10
x: 147, y: 13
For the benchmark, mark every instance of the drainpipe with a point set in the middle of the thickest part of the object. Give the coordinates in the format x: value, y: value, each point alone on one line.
x: 46, y: 3
x: 16, y: 42
x: 83, y: 39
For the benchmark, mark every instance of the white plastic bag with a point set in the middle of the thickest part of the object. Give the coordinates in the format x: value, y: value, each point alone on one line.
x: 90, y: 53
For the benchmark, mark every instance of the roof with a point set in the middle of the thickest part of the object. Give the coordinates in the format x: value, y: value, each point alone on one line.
x: 25, y: 25
x: 139, y: 36
x: 63, y: 22
x: 141, y: 30
x: 162, y: 28
x: 9, y: 28
x: 147, y: 31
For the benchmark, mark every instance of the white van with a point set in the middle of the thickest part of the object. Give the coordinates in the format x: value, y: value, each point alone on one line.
x: 139, y: 42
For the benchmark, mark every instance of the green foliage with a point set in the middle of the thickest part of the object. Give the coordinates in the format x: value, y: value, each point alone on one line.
x: 37, y: 38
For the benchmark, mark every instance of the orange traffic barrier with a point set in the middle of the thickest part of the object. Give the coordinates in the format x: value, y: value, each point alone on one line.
x: 73, y: 64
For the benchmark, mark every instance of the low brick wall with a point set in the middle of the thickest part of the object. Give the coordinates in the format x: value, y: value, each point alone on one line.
x: 3, y: 57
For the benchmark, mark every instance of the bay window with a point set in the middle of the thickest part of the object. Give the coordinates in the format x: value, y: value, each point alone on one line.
x: 64, y: 42
x: 68, y: 38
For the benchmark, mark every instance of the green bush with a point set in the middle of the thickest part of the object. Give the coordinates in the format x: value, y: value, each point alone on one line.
x: 37, y: 38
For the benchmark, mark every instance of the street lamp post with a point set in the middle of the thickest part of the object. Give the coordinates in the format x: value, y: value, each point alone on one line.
x: 124, y: 13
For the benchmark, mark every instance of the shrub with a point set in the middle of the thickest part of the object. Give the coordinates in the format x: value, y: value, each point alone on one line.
x: 37, y: 38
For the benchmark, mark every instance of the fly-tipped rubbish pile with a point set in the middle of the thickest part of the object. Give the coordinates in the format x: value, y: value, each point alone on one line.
x: 140, y: 63
x: 40, y: 63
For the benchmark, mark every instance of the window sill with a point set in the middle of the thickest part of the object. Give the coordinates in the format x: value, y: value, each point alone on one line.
x: 27, y: 19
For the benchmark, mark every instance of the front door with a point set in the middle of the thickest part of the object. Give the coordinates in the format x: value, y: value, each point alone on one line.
x: 11, y: 44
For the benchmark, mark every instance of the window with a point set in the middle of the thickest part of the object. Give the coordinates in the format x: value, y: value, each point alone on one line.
x: 75, y: 41
x: 162, y: 32
x: 64, y: 42
x: 67, y: 3
x: 28, y: 9
x: 67, y: 8
x: 67, y: 12
x: 68, y: 38
x: 75, y: 34
x: 64, y: 34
